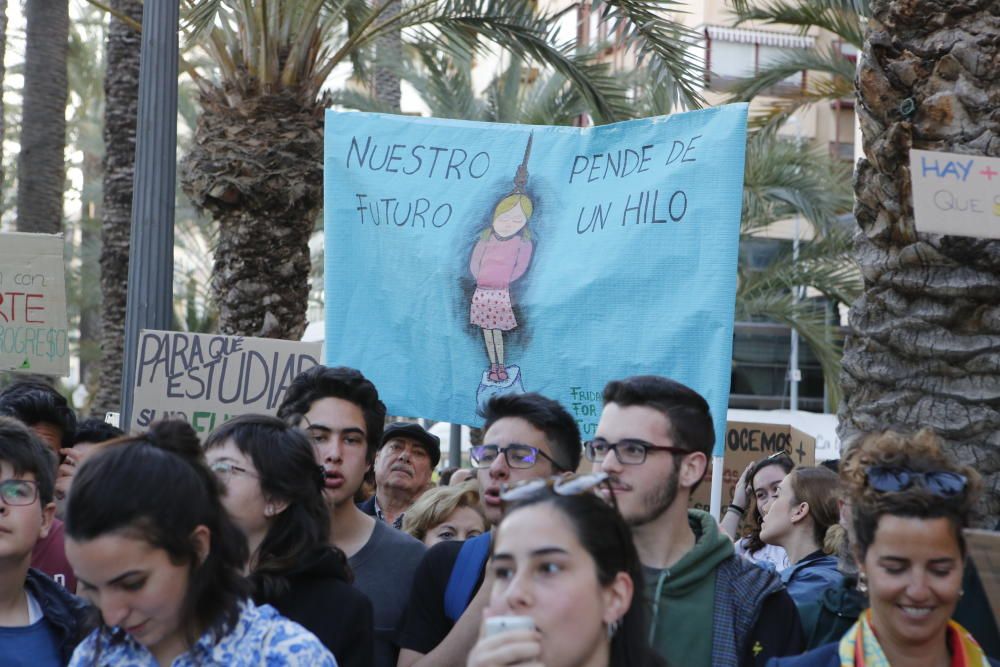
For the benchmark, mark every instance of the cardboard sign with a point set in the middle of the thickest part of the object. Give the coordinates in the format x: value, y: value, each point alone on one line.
x: 984, y: 547
x: 206, y: 379
x: 485, y: 258
x: 955, y: 193
x: 33, y: 326
x: 746, y: 443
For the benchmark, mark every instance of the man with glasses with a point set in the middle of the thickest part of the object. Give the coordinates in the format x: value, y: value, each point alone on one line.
x: 340, y: 411
x: 709, y: 607
x: 525, y: 436
x: 42, y: 622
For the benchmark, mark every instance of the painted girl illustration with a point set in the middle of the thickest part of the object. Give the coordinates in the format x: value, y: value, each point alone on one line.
x: 501, y: 256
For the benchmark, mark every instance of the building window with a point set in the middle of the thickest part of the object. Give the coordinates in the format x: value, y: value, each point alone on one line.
x: 734, y: 53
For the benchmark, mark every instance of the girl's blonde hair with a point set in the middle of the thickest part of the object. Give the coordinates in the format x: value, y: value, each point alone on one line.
x: 506, y: 204
x: 437, y: 504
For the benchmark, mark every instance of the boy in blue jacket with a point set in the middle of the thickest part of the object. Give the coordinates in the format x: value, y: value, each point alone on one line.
x: 40, y: 622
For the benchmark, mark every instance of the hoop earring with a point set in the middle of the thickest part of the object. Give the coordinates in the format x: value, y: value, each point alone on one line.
x: 269, y: 510
x: 613, y: 628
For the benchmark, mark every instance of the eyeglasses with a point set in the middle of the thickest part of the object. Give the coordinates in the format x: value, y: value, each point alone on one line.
x: 516, y: 455
x: 885, y: 479
x: 630, y: 451
x: 225, y: 470
x: 563, y: 485
x: 18, y: 492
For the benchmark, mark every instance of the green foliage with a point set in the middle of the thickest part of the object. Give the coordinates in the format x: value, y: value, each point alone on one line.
x: 830, y: 73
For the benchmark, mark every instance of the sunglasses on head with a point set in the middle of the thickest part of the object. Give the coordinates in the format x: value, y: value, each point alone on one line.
x: 886, y: 479
x: 562, y: 485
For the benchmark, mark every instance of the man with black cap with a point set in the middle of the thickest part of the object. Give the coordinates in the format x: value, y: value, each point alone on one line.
x: 403, y: 466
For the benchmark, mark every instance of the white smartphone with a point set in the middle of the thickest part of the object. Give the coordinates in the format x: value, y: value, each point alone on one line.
x: 496, y: 625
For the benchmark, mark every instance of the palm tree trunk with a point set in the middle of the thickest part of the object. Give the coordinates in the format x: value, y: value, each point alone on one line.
x: 41, y: 163
x: 925, y: 340
x: 3, y: 51
x: 388, y: 49
x: 256, y: 167
x: 90, y: 274
x: 121, y: 90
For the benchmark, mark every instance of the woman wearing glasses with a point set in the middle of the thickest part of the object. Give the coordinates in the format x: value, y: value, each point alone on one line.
x: 568, y: 563
x: 155, y: 552
x: 909, y: 504
x: 274, y: 494
x: 756, y: 489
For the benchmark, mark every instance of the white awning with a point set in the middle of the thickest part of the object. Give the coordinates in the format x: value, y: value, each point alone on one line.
x: 763, y: 37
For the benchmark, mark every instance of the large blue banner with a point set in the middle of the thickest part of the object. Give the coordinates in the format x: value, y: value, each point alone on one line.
x: 466, y: 259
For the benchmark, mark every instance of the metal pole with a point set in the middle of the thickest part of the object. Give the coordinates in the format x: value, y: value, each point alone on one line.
x: 793, y: 359
x: 794, y: 374
x: 455, y: 448
x: 151, y: 253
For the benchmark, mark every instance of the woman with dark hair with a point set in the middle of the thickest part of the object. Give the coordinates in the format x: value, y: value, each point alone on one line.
x: 756, y: 489
x: 274, y: 495
x: 804, y: 521
x: 156, y: 553
x: 909, y: 504
x: 568, y: 563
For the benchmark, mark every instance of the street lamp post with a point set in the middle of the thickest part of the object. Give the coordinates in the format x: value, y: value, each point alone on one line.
x: 151, y: 245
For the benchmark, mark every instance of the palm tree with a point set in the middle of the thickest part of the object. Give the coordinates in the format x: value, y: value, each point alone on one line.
x: 444, y: 84
x: 830, y: 70
x: 3, y: 51
x: 41, y: 165
x: 85, y: 67
x: 924, y: 344
x: 256, y: 164
x: 121, y: 90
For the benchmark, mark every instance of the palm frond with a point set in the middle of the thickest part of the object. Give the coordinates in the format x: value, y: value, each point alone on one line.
x: 840, y: 17
x: 667, y: 47
x: 783, y: 179
x: 830, y: 62
x: 466, y: 26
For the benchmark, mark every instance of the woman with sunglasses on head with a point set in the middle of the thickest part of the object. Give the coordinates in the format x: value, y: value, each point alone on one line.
x: 804, y: 521
x: 155, y: 552
x: 756, y: 489
x: 909, y: 504
x: 568, y: 564
x: 274, y: 495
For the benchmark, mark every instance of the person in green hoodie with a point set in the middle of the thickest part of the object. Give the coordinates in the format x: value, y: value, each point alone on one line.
x: 709, y: 607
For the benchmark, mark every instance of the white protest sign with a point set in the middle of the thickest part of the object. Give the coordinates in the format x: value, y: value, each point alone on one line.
x: 33, y: 304
x: 205, y: 379
x: 956, y: 194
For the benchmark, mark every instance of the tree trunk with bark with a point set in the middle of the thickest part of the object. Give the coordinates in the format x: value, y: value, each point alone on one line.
x: 256, y: 167
x: 388, y: 49
x: 41, y: 172
x: 121, y: 90
x: 3, y: 51
x: 925, y: 342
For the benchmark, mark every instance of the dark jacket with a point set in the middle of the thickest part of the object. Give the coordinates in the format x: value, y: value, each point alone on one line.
x: 827, y: 619
x: 336, y: 612
x: 808, y: 579
x: 368, y: 506
x: 824, y: 656
x: 70, y: 617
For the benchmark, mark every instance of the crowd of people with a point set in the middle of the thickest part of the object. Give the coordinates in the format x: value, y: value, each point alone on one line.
x: 320, y: 537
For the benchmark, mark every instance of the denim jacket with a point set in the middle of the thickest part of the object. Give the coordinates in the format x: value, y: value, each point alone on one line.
x: 260, y: 636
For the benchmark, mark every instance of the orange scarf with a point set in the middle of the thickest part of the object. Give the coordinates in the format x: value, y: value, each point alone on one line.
x: 860, y: 648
